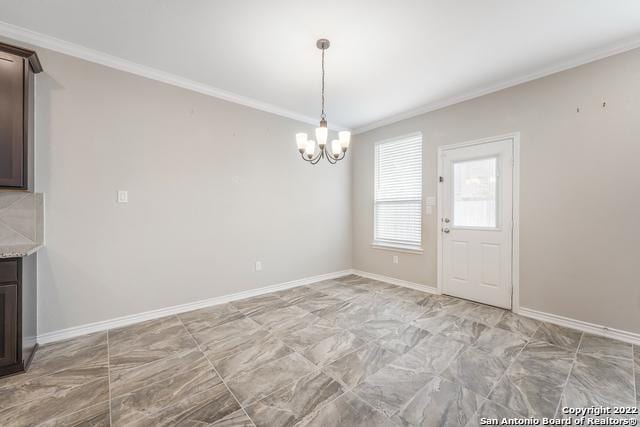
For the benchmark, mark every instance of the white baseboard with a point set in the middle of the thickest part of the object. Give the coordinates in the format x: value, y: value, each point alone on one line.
x: 398, y: 282
x: 592, y: 328
x: 118, y: 322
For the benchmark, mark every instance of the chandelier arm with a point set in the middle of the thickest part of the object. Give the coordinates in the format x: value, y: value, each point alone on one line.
x: 330, y: 158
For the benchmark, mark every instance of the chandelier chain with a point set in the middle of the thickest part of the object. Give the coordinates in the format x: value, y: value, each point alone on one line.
x: 322, y: 114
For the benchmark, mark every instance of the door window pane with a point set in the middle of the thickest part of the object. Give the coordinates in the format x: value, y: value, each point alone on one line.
x: 474, y: 188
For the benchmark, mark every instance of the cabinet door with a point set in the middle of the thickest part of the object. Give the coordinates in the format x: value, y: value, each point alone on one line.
x: 8, y: 324
x: 11, y: 120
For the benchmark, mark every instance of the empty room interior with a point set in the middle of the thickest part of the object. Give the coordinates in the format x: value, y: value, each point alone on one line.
x: 292, y: 213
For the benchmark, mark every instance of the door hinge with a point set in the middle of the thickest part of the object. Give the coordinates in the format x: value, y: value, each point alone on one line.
x: 440, y: 179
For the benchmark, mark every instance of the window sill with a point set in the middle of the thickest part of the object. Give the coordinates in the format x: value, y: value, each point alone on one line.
x: 397, y: 248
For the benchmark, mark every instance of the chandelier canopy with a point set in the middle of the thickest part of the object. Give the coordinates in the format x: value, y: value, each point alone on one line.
x: 314, y: 150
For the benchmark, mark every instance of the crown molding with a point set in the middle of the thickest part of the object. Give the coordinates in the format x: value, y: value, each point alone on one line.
x: 34, y: 38
x: 576, y: 61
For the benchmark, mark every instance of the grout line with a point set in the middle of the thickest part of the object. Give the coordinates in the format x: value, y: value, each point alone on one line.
x: 109, y: 376
x: 566, y: 382
x: 504, y: 374
x: 216, y: 371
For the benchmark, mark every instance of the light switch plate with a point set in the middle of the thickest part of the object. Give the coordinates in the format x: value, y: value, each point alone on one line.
x: 431, y: 201
x: 258, y: 265
x: 123, y: 196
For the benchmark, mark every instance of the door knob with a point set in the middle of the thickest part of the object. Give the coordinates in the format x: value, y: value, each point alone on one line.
x: 446, y: 230
x: 447, y: 220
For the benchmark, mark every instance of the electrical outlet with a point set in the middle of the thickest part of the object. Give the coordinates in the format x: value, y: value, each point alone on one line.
x: 123, y: 196
x: 395, y: 259
x: 258, y: 265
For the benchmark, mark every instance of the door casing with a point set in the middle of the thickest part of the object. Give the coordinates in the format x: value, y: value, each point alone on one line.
x: 515, y: 251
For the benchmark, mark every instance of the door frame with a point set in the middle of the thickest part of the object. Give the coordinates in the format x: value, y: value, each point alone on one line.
x: 515, y: 235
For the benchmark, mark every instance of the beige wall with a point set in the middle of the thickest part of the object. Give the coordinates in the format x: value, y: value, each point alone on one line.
x: 580, y: 189
x: 213, y: 187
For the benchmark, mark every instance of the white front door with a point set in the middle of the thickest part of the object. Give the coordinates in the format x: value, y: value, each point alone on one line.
x: 477, y: 221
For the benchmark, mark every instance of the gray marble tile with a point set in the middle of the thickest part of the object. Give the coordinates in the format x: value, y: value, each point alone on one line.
x: 377, y: 328
x: 266, y: 379
x: 242, y: 326
x: 233, y: 344
x: 250, y: 358
x: 403, y: 340
x: 347, y: 410
x: 596, y: 381
x: 300, y: 339
x: 235, y: 419
x: 518, y: 324
x: 501, y: 343
x: 127, y: 380
x: 329, y: 284
x: 147, y: 342
x: 465, y: 330
x: 449, y: 305
x: 558, y: 335
x: 350, y: 279
x: 287, y: 318
x: 332, y: 348
x: 214, y: 406
x: 209, y: 317
x: 432, y: 354
x: 294, y: 294
x: 534, y: 382
x: 318, y: 302
x: 529, y: 395
x: 353, y: 368
x: 349, y: 315
x: 389, y: 389
x: 541, y: 358
x: 151, y: 399
x: 259, y: 304
x: 93, y: 416
x: 398, y: 309
x: 375, y: 285
x: 85, y: 351
x: 435, y: 321
x: 38, y: 411
x: 485, y: 314
x: 412, y: 295
x: 477, y: 370
x: 606, y: 347
x: 294, y: 402
x: 345, y: 292
x: 491, y: 412
x: 51, y: 385
x: 440, y: 403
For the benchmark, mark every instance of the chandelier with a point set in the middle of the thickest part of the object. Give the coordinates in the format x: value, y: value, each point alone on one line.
x: 311, y: 151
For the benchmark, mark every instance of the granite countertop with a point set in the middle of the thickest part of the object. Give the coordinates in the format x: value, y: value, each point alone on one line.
x: 18, y: 251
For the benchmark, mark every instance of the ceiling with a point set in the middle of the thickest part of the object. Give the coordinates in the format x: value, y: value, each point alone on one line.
x: 388, y: 59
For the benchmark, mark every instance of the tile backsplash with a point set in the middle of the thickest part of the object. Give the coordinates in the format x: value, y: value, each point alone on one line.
x: 21, y: 218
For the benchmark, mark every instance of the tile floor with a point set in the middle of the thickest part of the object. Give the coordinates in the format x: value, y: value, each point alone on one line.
x: 345, y: 352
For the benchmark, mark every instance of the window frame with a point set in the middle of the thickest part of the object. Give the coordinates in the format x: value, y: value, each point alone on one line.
x: 398, y: 246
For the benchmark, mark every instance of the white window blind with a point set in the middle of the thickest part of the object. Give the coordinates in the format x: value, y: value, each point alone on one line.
x: 398, y: 192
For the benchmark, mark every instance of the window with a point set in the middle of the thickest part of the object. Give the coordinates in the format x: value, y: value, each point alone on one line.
x: 398, y: 193
x: 474, y: 188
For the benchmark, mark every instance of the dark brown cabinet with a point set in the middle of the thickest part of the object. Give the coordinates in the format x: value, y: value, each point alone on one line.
x: 17, y: 69
x: 17, y: 313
